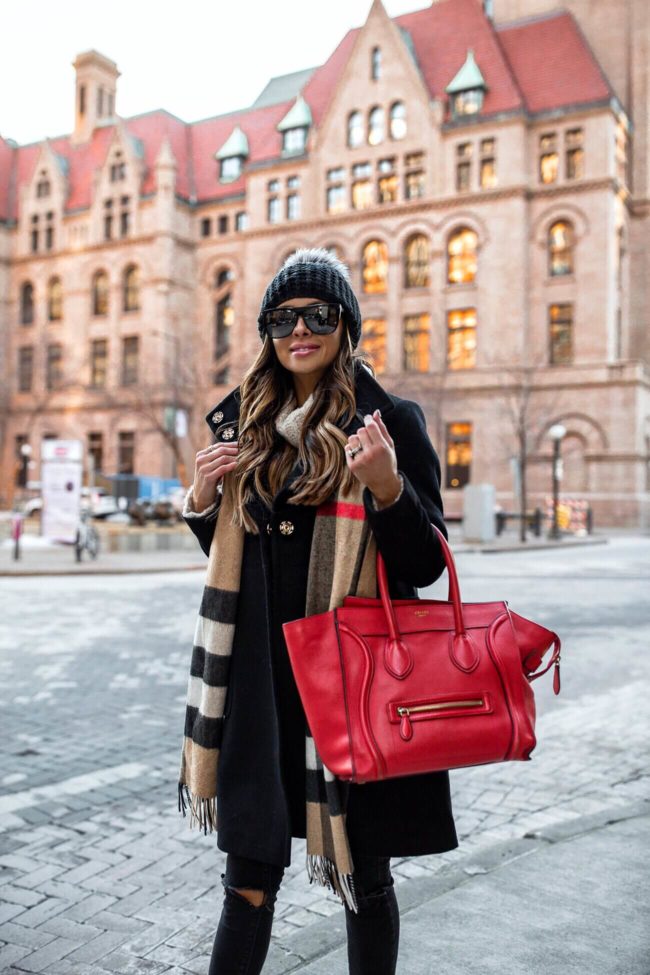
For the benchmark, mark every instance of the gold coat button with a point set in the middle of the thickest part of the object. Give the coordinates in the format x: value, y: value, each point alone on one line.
x: 217, y: 417
x: 228, y: 433
x: 286, y: 527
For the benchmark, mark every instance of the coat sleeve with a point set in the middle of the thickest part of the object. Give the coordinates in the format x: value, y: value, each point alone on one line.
x: 403, y: 531
x: 202, y: 522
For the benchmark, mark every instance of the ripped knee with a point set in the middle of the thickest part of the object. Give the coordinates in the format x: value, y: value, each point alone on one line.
x: 258, y: 898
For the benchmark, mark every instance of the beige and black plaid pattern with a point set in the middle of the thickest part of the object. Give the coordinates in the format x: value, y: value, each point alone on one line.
x: 342, y: 562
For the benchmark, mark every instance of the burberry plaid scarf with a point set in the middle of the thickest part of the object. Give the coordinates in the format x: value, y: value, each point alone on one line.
x: 342, y: 562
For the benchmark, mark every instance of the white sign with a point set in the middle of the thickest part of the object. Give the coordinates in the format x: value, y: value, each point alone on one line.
x: 61, y: 474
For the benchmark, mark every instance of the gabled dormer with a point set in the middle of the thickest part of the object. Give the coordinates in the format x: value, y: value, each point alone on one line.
x: 231, y: 156
x: 295, y: 128
x: 42, y: 201
x: 467, y: 89
x: 117, y: 186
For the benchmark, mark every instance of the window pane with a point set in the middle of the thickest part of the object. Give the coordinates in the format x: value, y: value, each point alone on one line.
x: 458, y: 454
x: 417, y: 329
x: 376, y: 126
x: 373, y: 340
x: 560, y: 334
x: 414, y: 186
x: 462, y: 257
x: 126, y: 452
x: 398, y: 120
x: 388, y: 189
x: 548, y: 167
x: 461, y: 338
x: 560, y: 248
x: 416, y: 262
x: 335, y: 199
x: 130, y: 350
x: 362, y: 195
x: 355, y: 129
x: 375, y: 267
x: 98, y: 362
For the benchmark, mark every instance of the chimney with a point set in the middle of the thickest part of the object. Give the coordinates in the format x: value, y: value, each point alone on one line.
x: 96, y: 79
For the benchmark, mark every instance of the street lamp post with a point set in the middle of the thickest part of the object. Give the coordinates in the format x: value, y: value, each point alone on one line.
x: 556, y: 433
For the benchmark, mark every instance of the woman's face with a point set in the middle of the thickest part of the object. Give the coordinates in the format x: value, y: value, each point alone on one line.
x: 323, y: 348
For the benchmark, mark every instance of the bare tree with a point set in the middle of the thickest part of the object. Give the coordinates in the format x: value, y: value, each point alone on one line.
x: 525, y: 413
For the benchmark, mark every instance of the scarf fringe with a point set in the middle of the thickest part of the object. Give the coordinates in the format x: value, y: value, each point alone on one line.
x: 202, y: 811
x: 321, y: 869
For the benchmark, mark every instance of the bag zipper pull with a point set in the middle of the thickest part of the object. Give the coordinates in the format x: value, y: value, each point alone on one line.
x: 556, y: 676
x: 405, y: 726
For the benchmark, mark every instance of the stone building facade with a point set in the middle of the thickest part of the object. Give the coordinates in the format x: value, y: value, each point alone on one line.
x: 484, y: 170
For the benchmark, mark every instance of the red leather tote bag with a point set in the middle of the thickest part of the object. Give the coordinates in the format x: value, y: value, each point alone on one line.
x: 401, y: 687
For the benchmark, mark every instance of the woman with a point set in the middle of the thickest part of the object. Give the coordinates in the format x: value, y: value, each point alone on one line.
x: 308, y: 425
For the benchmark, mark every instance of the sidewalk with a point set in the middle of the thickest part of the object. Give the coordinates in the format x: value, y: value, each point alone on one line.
x: 565, y: 900
x: 55, y: 560
x: 41, y: 558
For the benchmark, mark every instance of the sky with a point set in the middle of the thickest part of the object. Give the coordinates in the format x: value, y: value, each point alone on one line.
x: 193, y: 58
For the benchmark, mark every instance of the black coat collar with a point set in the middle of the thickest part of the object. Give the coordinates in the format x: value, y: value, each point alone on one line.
x: 224, y: 416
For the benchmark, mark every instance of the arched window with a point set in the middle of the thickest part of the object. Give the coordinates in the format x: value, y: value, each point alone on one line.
x: 376, y: 126
x: 462, y: 256
x: 375, y: 63
x: 27, y: 303
x: 560, y: 248
x: 397, y: 120
x: 54, y: 300
x: 100, y: 293
x: 416, y: 262
x: 131, y: 289
x: 355, y: 129
x: 375, y: 267
x: 224, y: 319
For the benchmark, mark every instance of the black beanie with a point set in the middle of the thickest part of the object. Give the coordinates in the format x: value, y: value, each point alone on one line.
x: 318, y: 279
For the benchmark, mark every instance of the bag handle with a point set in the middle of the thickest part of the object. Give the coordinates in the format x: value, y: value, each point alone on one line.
x: 397, y: 656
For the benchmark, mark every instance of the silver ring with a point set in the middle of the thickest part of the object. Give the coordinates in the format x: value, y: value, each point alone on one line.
x: 353, y: 451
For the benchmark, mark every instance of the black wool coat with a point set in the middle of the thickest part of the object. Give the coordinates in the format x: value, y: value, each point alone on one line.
x: 261, y: 772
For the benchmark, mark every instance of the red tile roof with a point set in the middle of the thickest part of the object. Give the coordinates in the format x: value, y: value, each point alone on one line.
x: 538, y: 64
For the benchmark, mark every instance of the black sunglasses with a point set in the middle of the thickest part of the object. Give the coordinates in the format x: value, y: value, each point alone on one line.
x: 321, y: 319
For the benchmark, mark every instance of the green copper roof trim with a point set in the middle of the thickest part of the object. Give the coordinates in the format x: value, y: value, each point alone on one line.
x: 298, y: 116
x: 468, y: 77
x: 235, y: 145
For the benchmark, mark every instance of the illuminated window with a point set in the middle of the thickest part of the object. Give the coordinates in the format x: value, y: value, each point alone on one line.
x: 375, y: 267
x: 488, y: 172
x: 376, y: 126
x: 548, y: 158
x: 373, y: 340
x: 462, y: 256
x: 397, y: 120
x: 387, y: 188
x: 131, y: 289
x: 574, y: 153
x: 416, y: 262
x: 560, y: 322
x: 362, y: 195
x: 461, y: 338
x: 224, y: 319
x: 54, y: 300
x: 560, y: 248
x: 27, y: 303
x: 355, y: 129
x: 417, y: 329
x: 458, y: 454
x: 100, y: 293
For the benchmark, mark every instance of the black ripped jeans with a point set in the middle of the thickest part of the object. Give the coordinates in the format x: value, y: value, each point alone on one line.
x: 244, y: 932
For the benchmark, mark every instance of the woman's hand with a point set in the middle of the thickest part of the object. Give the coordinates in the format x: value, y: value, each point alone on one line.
x: 211, y: 464
x: 376, y: 464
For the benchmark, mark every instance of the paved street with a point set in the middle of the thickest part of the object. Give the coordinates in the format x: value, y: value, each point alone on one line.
x: 101, y: 874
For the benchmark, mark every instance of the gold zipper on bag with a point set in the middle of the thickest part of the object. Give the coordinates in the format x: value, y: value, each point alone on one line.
x: 404, y: 711
x: 437, y: 707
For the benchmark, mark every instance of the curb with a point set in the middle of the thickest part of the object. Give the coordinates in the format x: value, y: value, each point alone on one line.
x: 490, y: 549
x: 103, y: 571
x: 322, y: 937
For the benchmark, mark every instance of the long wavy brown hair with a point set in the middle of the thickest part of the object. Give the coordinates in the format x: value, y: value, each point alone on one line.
x: 265, y: 458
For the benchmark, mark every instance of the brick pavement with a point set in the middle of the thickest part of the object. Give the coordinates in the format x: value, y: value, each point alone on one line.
x: 98, y: 871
